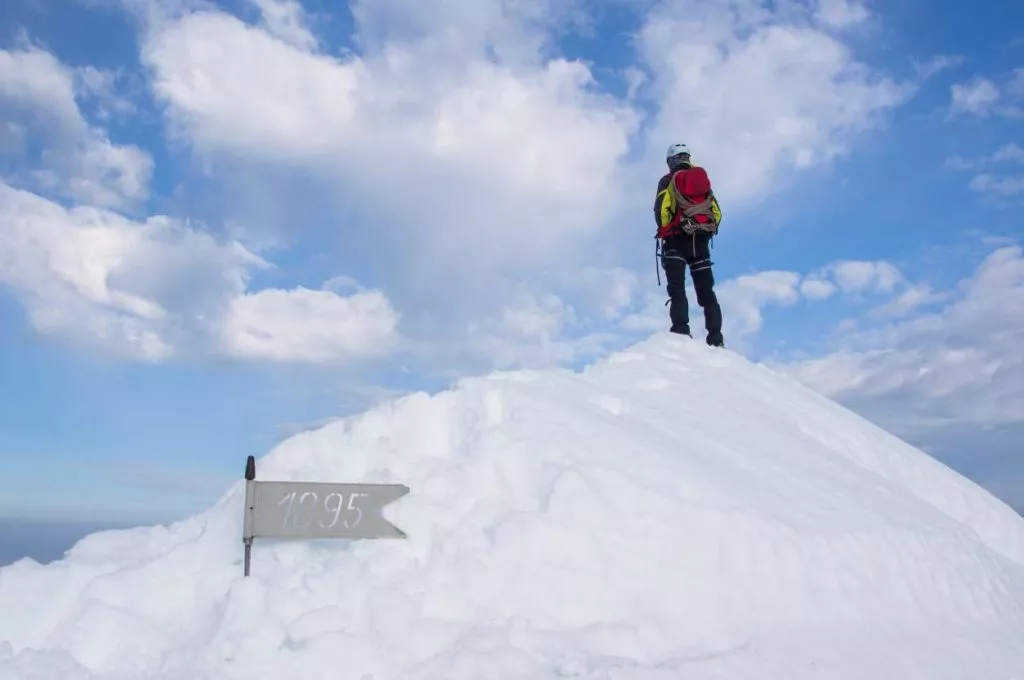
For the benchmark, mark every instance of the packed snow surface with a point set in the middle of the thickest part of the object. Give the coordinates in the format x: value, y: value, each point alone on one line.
x: 673, y: 511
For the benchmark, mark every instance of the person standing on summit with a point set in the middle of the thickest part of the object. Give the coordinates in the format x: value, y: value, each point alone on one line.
x: 687, y: 214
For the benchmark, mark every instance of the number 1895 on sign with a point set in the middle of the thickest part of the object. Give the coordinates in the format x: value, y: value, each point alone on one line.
x: 305, y: 507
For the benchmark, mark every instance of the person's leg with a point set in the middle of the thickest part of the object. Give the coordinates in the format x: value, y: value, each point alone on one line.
x: 704, y: 287
x: 674, y: 264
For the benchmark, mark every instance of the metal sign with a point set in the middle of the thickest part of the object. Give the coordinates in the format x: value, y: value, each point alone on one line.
x: 315, y: 510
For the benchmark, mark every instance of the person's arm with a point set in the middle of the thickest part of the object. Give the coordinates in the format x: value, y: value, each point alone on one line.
x: 664, y: 203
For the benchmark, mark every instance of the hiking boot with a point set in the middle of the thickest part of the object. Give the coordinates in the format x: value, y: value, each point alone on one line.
x: 716, y: 340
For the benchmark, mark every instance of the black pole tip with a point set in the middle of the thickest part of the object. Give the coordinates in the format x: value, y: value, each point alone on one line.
x: 250, y: 469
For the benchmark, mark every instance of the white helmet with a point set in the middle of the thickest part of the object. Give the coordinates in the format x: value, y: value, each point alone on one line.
x: 677, y: 156
x: 677, y: 149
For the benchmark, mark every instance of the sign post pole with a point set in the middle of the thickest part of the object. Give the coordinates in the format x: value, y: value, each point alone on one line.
x: 250, y: 507
x: 315, y: 510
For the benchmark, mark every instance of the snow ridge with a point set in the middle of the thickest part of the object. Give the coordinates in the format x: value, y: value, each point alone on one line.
x: 672, y: 511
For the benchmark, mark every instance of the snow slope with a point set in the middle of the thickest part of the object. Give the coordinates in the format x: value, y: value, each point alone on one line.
x: 671, y: 512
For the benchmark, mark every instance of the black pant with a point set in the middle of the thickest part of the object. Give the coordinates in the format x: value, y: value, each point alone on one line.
x: 693, y: 250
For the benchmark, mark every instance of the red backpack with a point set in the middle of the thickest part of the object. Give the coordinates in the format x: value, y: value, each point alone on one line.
x: 695, y: 204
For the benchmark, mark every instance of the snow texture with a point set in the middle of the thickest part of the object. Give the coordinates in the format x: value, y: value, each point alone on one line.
x: 673, y: 511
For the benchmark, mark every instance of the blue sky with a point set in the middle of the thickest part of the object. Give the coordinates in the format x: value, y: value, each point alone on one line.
x: 221, y: 223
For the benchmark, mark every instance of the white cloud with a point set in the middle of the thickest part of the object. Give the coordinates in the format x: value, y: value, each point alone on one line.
x: 977, y: 97
x: 841, y: 13
x: 1016, y: 84
x: 101, y: 87
x: 910, y: 300
x: 78, y: 160
x: 302, y: 325
x: 817, y: 289
x: 152, y: 290
x: 463, y: 175
x: 649, y: 314
x: 286, y: 21
x: 90, y: 275
x: 378, y: 122
x: 999, y: 185
x: 515, y: 33
x: 743, y: 300
x: 862, y: 276
x: 502, y: 193
x: 804, y: 95
x: 536, y: 316
x: 986, y: 97
x: 13, y: 137
x: 608, y: 291
x: 950, y: 381
x: 341, y: 284
x: 745, y: 297
x: 1010, y: 153
x: 1007, y: 187
x: 937, y: 64
x: 961, y: 363
x: 459, y: 147
x: 532, y: 329
x: 229, y: 85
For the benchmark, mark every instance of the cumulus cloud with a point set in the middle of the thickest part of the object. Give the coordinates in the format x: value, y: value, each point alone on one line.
x: 604, y: 291
x: 515, y: 33
x: 910, y: 300
x: 314, y: 326
x: 746, y: 296
x: 455, y: 187
x: 536, y: 315
x: 537, y: 328
x: 1005, y: 187
x: 1008, y: 154
x: 873, y: 291
x: 977, y: 97
x: 861, y: 276
x: 486, y: 193
x: 457, y: 142
x: 937, y: 64
x: 994, y: 179
x: 39, y: 97
x: 88, y: 274
x: 949, y: 380
x: 960, y: 363
x: 841, y: 13
x: 743, y: 299
x: 985, y: 97
x: 817, y: 289
x: 101, y: 88
x: 151, y: 290
x: 286, y: 20
x: 1011, y: 153
x: 454, y: 143
x: 805, y: 96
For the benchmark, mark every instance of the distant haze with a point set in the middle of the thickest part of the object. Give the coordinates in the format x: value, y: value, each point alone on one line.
x: 45, y: 540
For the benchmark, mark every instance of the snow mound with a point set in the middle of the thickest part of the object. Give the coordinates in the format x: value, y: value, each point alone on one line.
x: 673, y: 511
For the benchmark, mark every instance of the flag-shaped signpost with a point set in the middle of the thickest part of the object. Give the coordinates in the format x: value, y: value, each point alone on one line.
x: 315, y: 510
